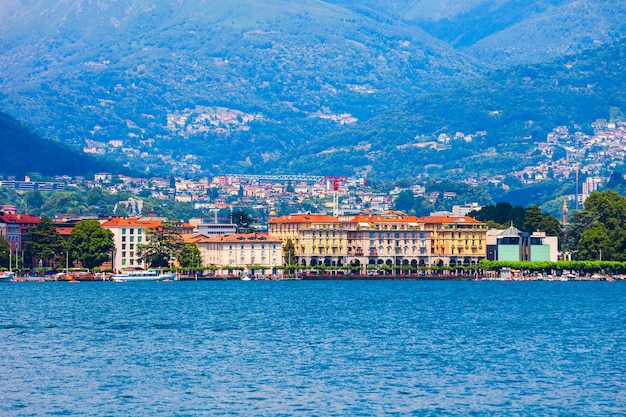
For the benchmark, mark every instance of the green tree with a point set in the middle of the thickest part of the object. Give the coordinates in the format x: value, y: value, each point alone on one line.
x: 610, y: 208
x: 243, y: 220
x: 551, y: 226
x: 594, y: 243
x: 44, y: 242
x: 532, y: 219
x: 95, y: 196
x: 165, y: 241
x: 34, y: 200
x: 289, y: 253
x: 404, y: 201
x: 189, y: 256
x: 580, y: 221
x: 90, y: 243
x: 5, y: 251
x: 502, y: 213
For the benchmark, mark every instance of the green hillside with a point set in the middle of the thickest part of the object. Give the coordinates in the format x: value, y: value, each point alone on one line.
x: 342, y: 87
x: 23, y: 152
x: 516, y: 108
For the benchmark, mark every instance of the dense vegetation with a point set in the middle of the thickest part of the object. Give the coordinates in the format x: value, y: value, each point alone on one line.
x: 95, y: 202
x: 597, y: 232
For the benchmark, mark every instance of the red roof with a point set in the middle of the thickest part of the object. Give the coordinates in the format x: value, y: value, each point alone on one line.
x: 19, y: 219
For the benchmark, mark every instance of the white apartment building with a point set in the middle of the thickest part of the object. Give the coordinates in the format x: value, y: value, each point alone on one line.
x: 127, y: 235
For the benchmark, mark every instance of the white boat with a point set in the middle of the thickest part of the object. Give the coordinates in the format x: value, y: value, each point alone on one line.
x: 7, y: 276
x: 144, y: 275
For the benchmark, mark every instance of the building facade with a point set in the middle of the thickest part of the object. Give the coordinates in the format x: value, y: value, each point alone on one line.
x: 455, y: 240
x: 127, y: 235
x: 252, y: 253
x: 14, y: 229
x: 391, y: 239
x: 513, y: 245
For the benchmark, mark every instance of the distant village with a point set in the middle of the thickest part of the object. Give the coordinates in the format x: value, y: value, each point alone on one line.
x: 563, y: 155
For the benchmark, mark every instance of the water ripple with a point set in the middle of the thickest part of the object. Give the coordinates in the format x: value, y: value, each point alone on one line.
x: 314, y: 348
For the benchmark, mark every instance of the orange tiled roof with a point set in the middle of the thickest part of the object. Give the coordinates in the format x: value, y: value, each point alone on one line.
x: 305, y: 218
x: 132, y: 222
x: 193, y: 237
x: 448, y: 219
x: 64, y: 231
x: 376, y: 218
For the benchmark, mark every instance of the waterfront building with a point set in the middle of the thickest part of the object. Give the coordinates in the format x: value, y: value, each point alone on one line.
x: 14, y: 229
x: 318, y: 239
x: 455, y: 240
x: 252, y: 253
x: 389, y: 238
x: 511, y: 244
x: 127, y: 235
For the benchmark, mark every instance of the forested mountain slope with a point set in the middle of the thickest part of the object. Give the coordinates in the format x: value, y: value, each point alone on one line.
x: 23, y: 152
x: 205, y: 86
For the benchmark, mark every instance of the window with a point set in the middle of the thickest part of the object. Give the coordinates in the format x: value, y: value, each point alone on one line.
x: 138, y: 231
x: 131, y: 231
x: 123, y: 238
x: 123, y: 246
x: 132, y: 238
x: 123, y: 231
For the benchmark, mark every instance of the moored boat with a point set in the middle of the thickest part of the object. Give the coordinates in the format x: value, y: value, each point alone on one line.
x: 6, y: 276
x: 144, y: 275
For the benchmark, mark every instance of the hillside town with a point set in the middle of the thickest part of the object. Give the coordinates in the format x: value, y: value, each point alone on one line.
x: 563, y: 154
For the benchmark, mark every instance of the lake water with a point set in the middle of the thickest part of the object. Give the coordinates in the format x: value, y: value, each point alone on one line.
x: 356, y: 348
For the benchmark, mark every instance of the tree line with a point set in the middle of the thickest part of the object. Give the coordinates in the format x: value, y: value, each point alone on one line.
x: 91, y: 245
x: 596, y: 232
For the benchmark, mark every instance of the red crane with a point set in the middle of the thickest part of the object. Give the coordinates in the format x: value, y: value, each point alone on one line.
x: 335, y: 181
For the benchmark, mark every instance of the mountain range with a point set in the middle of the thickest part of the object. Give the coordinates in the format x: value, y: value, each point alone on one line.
x: 325, y: 87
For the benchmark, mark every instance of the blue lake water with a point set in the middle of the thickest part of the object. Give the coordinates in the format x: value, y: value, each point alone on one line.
x: 356, y: 348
